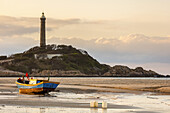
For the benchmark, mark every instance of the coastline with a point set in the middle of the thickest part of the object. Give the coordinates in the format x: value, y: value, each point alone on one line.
x: 103, y: 76
x: 159, y: 86
x: 77, y: 93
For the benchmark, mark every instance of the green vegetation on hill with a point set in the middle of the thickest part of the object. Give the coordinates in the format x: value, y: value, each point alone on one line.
x: 70, y: 59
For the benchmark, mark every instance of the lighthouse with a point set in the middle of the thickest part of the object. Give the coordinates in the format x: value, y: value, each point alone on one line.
x: 42, y: 31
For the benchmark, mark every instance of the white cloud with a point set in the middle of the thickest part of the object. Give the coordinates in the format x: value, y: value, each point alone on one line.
x: 131, y: 48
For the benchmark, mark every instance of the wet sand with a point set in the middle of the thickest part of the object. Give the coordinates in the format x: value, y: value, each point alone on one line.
x: 78, y: 92
x: 116, y: 85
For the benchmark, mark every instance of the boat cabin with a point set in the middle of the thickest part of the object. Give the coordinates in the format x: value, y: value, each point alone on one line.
x: 31, y: 81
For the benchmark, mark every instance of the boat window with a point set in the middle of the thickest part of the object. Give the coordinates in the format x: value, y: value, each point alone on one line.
x: 26, y: 82
x: 20, y: 81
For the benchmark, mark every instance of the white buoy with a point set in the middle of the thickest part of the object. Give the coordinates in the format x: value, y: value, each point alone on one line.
x: 104, y: 104
x: 96, y: 104
x: 93, y: 104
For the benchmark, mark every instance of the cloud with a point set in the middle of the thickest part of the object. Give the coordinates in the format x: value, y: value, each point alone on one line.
x: 8, y: 30
x: 134, y: 48
x: 27, y: 25
x: 15, y: 44
x: 85, y: 29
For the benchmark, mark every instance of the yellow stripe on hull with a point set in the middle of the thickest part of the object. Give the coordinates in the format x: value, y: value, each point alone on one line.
x: 35, y: 90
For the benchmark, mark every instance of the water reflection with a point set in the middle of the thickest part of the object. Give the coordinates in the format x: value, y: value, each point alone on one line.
x: 42, y: 110
x: 71, y: 110
x: 95, y: 110
x: 104, y: 110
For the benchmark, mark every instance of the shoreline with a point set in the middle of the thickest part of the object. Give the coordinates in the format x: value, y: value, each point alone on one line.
x: 74, y: 93
x: 95, y: 76
x: 155, y: 85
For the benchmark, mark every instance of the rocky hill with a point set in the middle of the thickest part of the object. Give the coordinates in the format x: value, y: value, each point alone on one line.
x: 65, y: 60
x: 61, y: 57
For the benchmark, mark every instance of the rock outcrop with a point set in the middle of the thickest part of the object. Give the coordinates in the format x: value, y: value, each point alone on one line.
x: 58, y: 73
x: 9, y: 73
x: 124, y: 71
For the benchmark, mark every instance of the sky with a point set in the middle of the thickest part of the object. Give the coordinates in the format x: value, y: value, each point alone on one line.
x: 116, y: 32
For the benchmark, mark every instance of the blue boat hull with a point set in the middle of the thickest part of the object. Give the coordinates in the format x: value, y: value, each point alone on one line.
x: 43, y: 87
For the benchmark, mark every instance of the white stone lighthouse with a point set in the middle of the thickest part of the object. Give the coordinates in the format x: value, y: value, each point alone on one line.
x: 42, y: 31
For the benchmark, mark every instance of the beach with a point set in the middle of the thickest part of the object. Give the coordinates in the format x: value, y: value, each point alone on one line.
x: 73, y: 95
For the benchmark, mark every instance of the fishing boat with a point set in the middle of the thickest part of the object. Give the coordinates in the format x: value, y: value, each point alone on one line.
x: 36, y: 86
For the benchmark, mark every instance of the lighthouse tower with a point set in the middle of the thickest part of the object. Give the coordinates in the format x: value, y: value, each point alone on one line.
x: 42, y: 31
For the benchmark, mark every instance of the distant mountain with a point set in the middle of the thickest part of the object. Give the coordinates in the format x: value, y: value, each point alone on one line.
x: 63, y: 60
